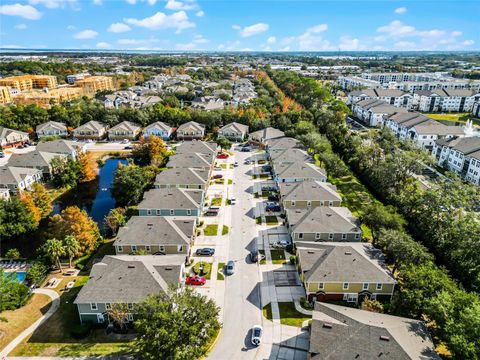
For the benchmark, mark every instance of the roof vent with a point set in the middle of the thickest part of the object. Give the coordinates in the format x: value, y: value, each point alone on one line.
x: 310, y: 252
x: 348, y: 253
x: 168, y: 268
x: 150, y: 225
x: 131, y: 266
x: 327, y: 325
x: 385, y: 338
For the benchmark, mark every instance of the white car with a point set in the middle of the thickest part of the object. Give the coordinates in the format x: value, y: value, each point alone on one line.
x: 233, y: 200
x: 257, y: 332
x: 281, y: 244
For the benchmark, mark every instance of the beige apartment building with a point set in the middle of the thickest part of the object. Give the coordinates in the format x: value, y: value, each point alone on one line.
x: 29, y: 82
x: 5, y: 97
x: 92, y: 84
x: 48, y: 98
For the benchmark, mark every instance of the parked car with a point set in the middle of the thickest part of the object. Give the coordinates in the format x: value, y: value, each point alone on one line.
x: 222, y: 156
x: 235, y: 164
x: 125, y: 141
x: 233, y: 200
x: 195, y: 280
x: 254, y: 256
x: 273, y: 197
x: 273, y: 208
x: 246, y: 149
x: 217, y: 176
x: 211, y: 213
x: 230, y: 269
x: 281, y: 244
x: 257, y: 332
x: 2, y: 155
x: 128, y: 147
x: 266, y: 168
x: 205, y: 252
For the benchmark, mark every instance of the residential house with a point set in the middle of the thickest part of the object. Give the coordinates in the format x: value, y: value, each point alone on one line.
x: 373, y: 111
x: 264, y: 135
x: 156, y: 235
x: 447, y: 100
x: 476, y: 109
x: 171, y: 202
x: 322, y: 223
x: 208, y: 103
x: 297, y: 172
x: 392, y: 97
x: 340, y: 332
x: 234, y: 131
x: 94, y: 130
x: 158, y: 129
x: 190, y: 131
x: 12, y: 138
x: 17, y: 179
x: 344, y: 272
x: 183, y: 178
x: 279, y: 156
x: 284, y: 143
x: 35, y: 160
x: 208, y: 149
x: 309, y: 194
x: 51, y: 128
x: 124, y: 279
x: 124, y: 130
x: 460, y: 155
x: 193, y: 161
x: 65, y: 147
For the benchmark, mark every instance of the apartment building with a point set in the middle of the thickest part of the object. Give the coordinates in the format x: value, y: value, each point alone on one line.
x: 93, y: 84
x: 29, y: 82
x: 447, y: 100
x: 476, y: 109
x: 71, y: 79
x: 5, y: 96
x: 393, y: 97
x: 355, y: 82
x: 46, y: 98
x: 373, y: 112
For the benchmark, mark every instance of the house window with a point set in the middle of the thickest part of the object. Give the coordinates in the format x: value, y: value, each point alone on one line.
x: 330, y: 236
x: 159, y: 212
x: 309, y: 203
x: 149, y: 212
x: 365, y: 286
x: 172, y: 212
x: 344, y: 236
x: 345, y: 286
x: 107, y: 306
x: 93, y: 306
x: 379, y: 286
x: 317, y: 236
x: 119, y: 249
x: 330, y: 203
x: 147, y: 248
x: 357, y: 236
x: 134, y: 247
x: 162, y: 248
x: 293, y: 203
x: 189, y: 212
x: 300, y: 235
x: 130, y: 306
x: 321, y: 286
x: 373, y: 297
x: 180, y: 248
x: 130, y: 317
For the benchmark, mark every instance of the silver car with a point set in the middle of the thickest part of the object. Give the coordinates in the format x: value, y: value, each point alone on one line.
x: 230, y: 270
x: 257, y: 332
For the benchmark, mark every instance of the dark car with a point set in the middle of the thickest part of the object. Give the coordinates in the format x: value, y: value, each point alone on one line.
x: 246, y: 149
x: 254, y: 256
x: 211, y: 213
x: 205, y: 252
x: 273, y: 197
x: 218, y: 176
x: 275, y: 208
x: 266, y: 168
x: 2, y: 155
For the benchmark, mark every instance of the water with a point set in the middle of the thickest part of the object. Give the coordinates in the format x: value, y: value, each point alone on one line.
x: 94, y: 197
x: 19, y: 274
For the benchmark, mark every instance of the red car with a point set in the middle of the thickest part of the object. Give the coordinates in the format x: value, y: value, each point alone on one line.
x: 218, y: 176
x: 195, y: 280
x: 222, y: 156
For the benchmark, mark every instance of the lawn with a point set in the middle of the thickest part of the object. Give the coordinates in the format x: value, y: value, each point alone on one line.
x: 207, y: 269
x: 18, y: 320
x: 460, y: 117
x: 225, y: 230
x: 271, y: 220
x: 211, y: 230
x: 230, y: 181
x: 278, y: 256
x: 106, y: 248
x: 267, y: 311
x: 288, y: 314
x: 220, y: 275
x: 258, y: 220
x: 223, y: 166
x: 216, y: 201
x: 53, y: 336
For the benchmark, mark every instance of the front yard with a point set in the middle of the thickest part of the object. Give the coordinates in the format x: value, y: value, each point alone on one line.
x: 288, y: 314
x: 278, y: 256
x: 211, y: 230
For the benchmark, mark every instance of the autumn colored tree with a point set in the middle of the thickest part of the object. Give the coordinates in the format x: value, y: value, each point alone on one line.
x: 115, y: 219
x: 76, y: 222
x: 42, y: 199
x: 150, y: 151
x: 27, y: 199
x: 88, y: 167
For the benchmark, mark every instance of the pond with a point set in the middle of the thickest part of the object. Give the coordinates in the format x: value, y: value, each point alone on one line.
x: 94, y: 197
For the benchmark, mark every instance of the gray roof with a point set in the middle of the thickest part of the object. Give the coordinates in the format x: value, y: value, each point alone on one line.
x: 15, y: 175
x: 192, y: 160
x: 309, y: 191
x: 164, y: 127
x: 465, y: 145
x: 156, y: 230
x: 171, y: 198
x: 197, y: 146
x: 438, y: 129
x: 299, y: 170
x: 182, y: 176
x: 92, y: 126
x: 195, y: 125
x: 35, y: 159
x: 4, y: 132
x: 343, y: 262
x: 379, y: 106
x: 340, y: 332
x: 55, y: 124
x: 59, y: 146
x: 410, y: 119
x: 448, y: 92
x: 126, y: 126
x: 282, y: 156
x: 267, y: 134
x: 235, y: 127
x: 378, y: 93
x: 284, y: 143
x: 322, y: 219
x: 130, y: 279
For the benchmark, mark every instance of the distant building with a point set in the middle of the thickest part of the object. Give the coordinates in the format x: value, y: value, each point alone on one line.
x: 234, y: 131
x: 5, y: 96
x: 191, y: 130
x: 124, y: 130
x: 264, y: 135
x: 392, y: 97
x: 373, y: 112
x: 51, y: 128
x: 159, y: 129
x: 93, y: 84
x: 12, y: 138
x: 476, y: 109
x: 29, y: 82
x: 447, y: 100
x: 46, y: 97
x: 71, y: 79
x: 91, y: 130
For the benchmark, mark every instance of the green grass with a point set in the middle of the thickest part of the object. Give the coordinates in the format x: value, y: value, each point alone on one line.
x: 278, y: 256
x: 263, y: 261
x: 254, y: 177
x: 232, y: 166
x: 258, y: 220
x: 271, y: 220
x: 225, y: 230
x: 267, y: 311
x: 264, y: 176
x: 220, y: 275
x: 290, y: 316
x: 256, y: 196
x: 223, y: 166
x: 207, y: 269
x: 230, y: 181
x: 216, y: 201
x: 86, y: 262
x: 211, y: 230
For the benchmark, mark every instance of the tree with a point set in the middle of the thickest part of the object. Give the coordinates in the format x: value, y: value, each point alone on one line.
x: 118, y: 313
x: 36, y: 273
x: 372, y: 305
x: 72, y: 247
x: 224, y: 143
x: 378, y: 217
x: 115, y: 218
x: 130, y: 182
x: 65, y: 173
x: 13, y: 254
x: 88, y: 167
x: 75, y: 222
x: 12, y: 293
x: 151, y: 151
x: 15, y: 218
x: 27, y: 199
x: 178, y: 325
x: 54, y: 249
x: 42, y: 199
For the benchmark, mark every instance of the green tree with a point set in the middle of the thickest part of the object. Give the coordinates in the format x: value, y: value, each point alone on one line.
x: 15, y: 218
x: 36, y: 273
x: 54, y: 249
x: 12, y: 294
x: 115, y: 218
x: 378, y: 217
x: 72, y: 248
x: 224, y: 143
x: 151, y: 151
x: 42, y: 199
x: 13, y: 254
x: 118, y: 314
x: 177, y: 325
x: 130, y: 182
x: 65, y: 173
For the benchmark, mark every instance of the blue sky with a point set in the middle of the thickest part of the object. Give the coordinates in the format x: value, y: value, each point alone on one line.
x: 233, y: 25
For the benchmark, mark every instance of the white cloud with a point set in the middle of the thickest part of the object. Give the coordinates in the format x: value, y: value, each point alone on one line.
x: 310, y: 40
x: 200, y: 13
x: 193, y: 45
x: 400, y: 10
x: 271, y: 40
x: 86, y: 34
x: 397, y: 29
x: 12, y: 46
x: 152, y: 2
x: 199, y: 39
x: 236, y: 27
x: 252, y: 30
x: 178, y: 5
x: 229, y: 45
x: 119, y: 27
x: 468, y: 42
x: 132, y: 2
x: 286, y: 48
x: 52, y: 4
x: 24, y: 11
x: 103, y: 45
x: 20, y: 26
x: 144, y: 43
x: 97, y: 2
x: 246, y: 49
x: 349, y: 44
x: 178, y: 21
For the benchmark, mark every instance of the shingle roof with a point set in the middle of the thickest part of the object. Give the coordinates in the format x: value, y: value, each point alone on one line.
x: 282, y: 156
x: 125, y: 126
x: 15, y: 175
x: 299, y: 170
x: 438, y: 129
x: 342, y: 262
x: 448, y: 92
x: 466, y: 145
x: 91, y: 126
x: 182, y: 176
x: 54, y: 124
x: 340, y: 332
x: 171, y: 198
x: 284, y: 143
x: 379, y: 106
x: 58, y: 146
x: 156, y: 230
x: 192, y: 160
x: 159, y: 124
x: 33, y: 159
x: 130, y: 279
x: 410, y: 119
x: 267, y: 134
x: 195, y: 125
x: 309, y: 191
x: 322, y: 219
x: 4, y: 132
x: 236, y: 127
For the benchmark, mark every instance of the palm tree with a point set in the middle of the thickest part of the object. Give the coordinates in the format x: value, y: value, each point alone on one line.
x: 53, y: 248
x: 72, y: 247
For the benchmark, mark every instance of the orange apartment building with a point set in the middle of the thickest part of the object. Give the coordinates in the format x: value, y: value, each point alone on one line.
x: 50, y: 97
x: 29, y: 82
x: 92, y: 84
x: 5, y: 96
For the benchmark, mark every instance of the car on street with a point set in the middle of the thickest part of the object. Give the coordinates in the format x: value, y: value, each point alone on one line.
x: 235, y: 164
x: 247, y: 162
x: 195, y: 280
x: 222, y: 156
x: 128, y: 147
x: 211, y: 213
x: 2, y: 155
x: 233, y: 200
x: 205, y: 252
x: 230, y: 269
x: 257, y: 332
x: 217, y: 176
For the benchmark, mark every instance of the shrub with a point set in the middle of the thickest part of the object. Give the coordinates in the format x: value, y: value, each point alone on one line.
x: 207, y: 269
x: 293, y: 259
x: 81, y: 331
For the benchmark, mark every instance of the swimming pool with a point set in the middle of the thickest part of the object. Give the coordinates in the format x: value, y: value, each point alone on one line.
x: 19, y: 274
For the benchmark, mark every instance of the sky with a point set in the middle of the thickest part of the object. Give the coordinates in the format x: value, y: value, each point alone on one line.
x: 241, y: 25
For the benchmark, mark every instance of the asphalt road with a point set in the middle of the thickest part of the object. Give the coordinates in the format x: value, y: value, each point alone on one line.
x: 242, y: 293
